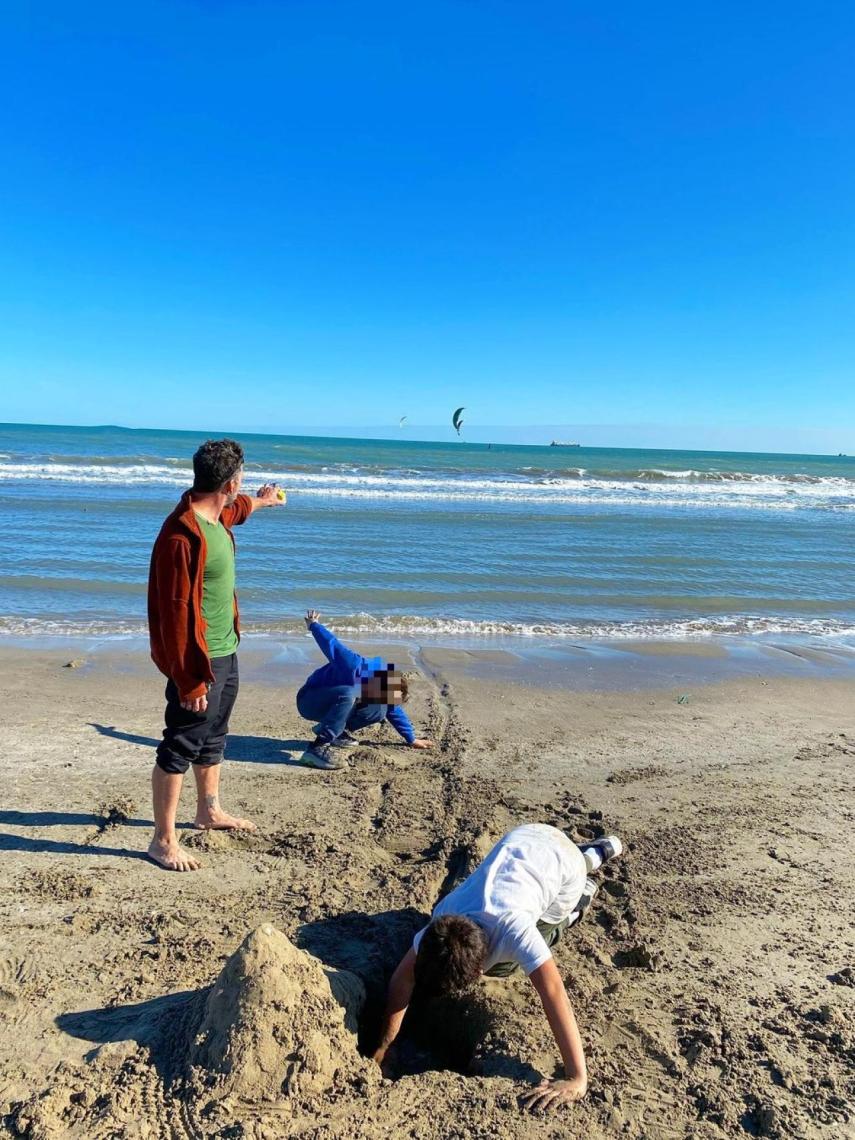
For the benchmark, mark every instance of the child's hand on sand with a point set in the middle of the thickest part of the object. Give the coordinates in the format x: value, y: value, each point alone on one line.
x: 550, y: 1093
x: 311, y: 616
x: 422, y: 742
x: 381, y: 1057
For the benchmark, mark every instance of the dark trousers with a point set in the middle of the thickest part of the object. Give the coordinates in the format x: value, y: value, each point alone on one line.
x: 335, y: 709
x: 199, y: 738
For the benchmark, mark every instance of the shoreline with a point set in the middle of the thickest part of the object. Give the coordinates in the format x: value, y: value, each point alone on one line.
x: 596, y: 665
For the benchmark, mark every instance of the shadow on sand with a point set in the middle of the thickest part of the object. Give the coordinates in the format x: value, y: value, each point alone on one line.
x: 58, y: 847
x: 149, y: 1023
x: 63, y: 819
x: 239, y: 749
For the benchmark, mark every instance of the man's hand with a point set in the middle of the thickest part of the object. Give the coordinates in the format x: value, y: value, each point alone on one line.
x: 196, y: 705
x: 270, y: 495
x: 422, y: 742
x: 549, y: 1093
x: 311, y: 616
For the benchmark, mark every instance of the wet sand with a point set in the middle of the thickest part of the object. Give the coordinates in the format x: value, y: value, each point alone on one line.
x: 713, y: 979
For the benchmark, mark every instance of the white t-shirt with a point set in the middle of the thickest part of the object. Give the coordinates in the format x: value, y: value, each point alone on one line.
x: 535, y: 873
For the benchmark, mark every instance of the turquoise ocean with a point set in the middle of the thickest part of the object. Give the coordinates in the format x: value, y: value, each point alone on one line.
x: 397, y: 537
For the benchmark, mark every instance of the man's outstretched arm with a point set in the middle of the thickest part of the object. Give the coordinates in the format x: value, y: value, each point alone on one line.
x: 398, y: 998
x: 562, y: 1021
x: 244, y: 505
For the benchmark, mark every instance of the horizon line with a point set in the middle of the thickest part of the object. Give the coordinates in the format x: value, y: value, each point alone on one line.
x: 391, y: 438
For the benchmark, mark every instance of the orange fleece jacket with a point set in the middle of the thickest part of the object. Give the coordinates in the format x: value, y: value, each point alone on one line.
x: 175, y: 623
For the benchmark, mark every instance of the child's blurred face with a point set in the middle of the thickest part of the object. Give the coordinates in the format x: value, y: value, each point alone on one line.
x: 383, y: 688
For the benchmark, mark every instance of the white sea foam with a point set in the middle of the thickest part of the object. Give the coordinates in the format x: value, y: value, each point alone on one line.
x: 418, y: 626
x: 412, y: 625
x: 661, y: 489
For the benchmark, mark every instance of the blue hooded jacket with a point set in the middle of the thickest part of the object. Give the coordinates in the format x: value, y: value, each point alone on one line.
x: 345, y: 667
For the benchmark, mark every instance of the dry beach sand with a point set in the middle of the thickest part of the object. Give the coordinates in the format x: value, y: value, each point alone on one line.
x: 714, y: 979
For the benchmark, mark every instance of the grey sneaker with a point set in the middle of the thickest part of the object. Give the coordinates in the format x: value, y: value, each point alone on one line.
x: 345, y: 740
x: 320, y: 756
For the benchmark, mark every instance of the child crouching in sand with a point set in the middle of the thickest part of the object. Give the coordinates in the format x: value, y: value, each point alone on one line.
x: 507, y: 914
x: 347, y: 694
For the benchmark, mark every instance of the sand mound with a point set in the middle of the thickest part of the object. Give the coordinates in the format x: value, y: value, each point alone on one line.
x: 278, y: 1023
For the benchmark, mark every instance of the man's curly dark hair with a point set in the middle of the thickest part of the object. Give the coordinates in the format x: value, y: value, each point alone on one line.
x: 215, y: 462
x: 451, y: 955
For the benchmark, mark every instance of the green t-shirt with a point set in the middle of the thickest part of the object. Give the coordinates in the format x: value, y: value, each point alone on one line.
x: 218, y: 589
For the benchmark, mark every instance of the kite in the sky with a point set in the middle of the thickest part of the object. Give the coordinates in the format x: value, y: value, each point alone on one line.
x: 401, y: 421
x: 457, y: 420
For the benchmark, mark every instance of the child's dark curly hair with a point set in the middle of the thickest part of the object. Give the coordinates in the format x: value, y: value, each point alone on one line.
x: 451, y: 955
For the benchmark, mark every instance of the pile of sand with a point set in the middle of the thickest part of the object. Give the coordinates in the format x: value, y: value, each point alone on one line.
x: 277, y: 1023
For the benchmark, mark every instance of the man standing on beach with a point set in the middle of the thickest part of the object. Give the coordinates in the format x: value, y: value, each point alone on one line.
x: 194, y: 631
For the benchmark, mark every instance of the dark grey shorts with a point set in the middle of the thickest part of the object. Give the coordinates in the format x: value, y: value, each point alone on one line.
x: 199, y: 738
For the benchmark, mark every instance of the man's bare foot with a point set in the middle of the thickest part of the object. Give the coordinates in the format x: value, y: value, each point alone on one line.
x: 215, y: 819
x: 169, y: 854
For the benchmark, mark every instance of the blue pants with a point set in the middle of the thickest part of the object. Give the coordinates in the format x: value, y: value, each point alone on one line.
x: 335, y: 709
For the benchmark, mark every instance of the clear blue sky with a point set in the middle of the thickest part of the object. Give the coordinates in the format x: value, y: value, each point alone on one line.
x: 307, y: 214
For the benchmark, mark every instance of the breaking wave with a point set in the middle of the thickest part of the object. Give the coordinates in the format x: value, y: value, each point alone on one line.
x: 654, y: 487
x: 438, y: 628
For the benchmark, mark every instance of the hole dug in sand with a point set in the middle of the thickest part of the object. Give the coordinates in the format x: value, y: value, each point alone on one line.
x: 277, y: 1023
x: 444, y: 1033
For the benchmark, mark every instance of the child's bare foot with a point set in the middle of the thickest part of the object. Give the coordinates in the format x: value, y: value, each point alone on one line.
x: 169, y: 854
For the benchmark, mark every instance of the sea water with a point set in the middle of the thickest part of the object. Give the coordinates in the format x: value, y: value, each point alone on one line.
x: 405, y: 538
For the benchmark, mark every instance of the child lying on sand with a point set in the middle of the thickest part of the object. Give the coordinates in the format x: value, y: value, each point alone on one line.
x: 508, y: 913
x: 347, y: 694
